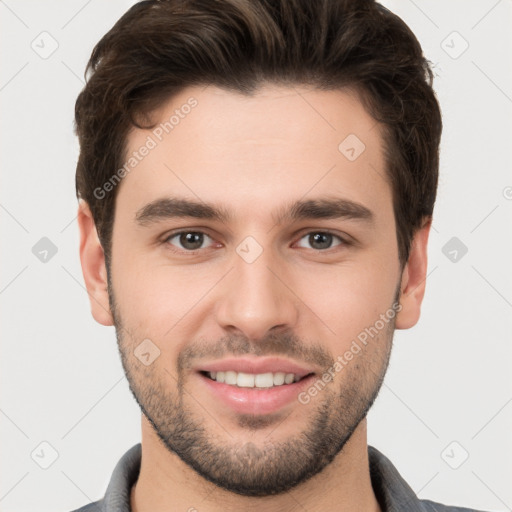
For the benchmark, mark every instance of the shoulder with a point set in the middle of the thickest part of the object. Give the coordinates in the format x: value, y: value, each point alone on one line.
x: 393, y: 492
x: 432, y: 506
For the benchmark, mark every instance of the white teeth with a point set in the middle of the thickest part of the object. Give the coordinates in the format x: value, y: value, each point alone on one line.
x: 250, y: 380
x: 245, y: 380
x: 279, y: 379
x: 264, y: 380
x: 230, y: 378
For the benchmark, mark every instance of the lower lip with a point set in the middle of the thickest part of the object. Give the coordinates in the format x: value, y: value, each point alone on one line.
x: 256, y: 400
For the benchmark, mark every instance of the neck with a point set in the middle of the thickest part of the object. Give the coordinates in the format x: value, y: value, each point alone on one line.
x: 166, y: 483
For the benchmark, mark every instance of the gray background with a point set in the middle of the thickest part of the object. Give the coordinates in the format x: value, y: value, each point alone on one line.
x: 448, y: 393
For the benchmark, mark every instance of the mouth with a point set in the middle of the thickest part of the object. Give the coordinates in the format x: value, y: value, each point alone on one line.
x: 254, y: 386
x: 251, y: 380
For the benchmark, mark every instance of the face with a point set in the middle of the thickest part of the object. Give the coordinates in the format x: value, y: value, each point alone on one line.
x: 254, y: 243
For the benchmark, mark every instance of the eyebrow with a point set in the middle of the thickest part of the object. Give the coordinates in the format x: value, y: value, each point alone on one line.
x: 322, y: 208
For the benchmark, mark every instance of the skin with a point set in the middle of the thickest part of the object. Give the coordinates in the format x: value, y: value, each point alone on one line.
x: 253, y: 156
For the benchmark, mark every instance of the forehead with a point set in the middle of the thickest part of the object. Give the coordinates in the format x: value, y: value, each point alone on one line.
x: 238, y: 151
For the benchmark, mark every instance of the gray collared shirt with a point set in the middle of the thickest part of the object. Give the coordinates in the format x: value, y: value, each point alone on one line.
x: 392, y: 491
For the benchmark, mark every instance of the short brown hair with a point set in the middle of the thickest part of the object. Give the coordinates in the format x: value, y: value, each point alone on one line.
x: 157, y: 48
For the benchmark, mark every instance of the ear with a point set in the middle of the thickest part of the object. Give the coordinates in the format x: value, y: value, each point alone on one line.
x: 94, y: 269
x: 414, y: 277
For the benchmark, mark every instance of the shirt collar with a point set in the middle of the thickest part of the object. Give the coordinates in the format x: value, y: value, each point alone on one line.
x: 391, y: 490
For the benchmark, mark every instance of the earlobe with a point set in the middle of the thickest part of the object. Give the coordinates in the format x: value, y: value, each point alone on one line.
x: 414, y: 279
x: 94, y: 269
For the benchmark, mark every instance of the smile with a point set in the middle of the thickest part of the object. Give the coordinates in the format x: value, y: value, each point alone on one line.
x: 249, y: 380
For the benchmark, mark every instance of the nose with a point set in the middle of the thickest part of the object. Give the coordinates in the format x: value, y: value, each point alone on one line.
x: 255, y: 298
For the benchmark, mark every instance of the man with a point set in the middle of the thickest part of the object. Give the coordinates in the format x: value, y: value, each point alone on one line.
x: 256, y: 183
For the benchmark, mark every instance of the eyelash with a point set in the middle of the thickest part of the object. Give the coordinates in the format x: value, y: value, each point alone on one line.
x: 343, y: 241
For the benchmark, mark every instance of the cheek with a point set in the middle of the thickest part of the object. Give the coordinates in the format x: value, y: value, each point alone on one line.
x: 349, y: 297
x: 152, y: 307
x: 158, y: 300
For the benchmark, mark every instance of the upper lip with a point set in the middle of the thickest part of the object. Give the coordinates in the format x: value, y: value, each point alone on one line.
x: 256, y: 366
